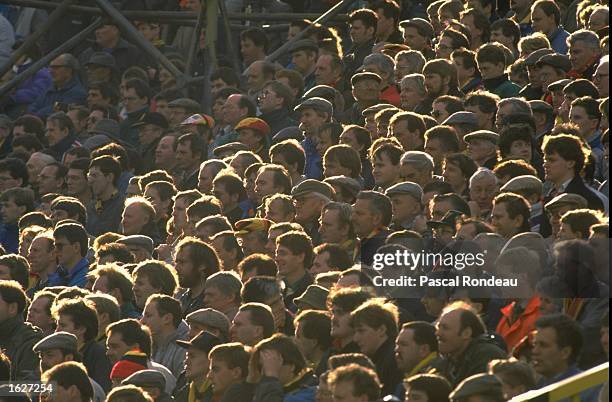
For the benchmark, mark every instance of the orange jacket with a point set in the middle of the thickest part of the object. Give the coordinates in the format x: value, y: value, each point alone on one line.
x: 525, y: 323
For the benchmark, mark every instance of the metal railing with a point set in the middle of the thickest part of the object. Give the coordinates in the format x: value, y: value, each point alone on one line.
x: 570, y: 388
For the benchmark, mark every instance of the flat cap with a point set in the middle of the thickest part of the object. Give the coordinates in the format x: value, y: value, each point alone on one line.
x: 534, y: 56
x: 311, y: 186
x: 462, y: 118
x: 211, y: 318
x: 101, y: 59
x: 138, y: 241
x: 406, y: 187
x: 154, y: 118
x: 352, y: 186
x: 316, y: 103
x: 204, y: 341
x: 303, y: 44
x: 540, y: 106
x: 558, y: 85
x: 185, y: 103
x: 555, y: 60
x: 57, y: 340
x: 524, y: 182
x: 254, y: 123
x: 146, y: 378
x: 423, y: 27
x: 482, y: 135
x: 418, y: 157
x: 288, y: 133
x: 250, y: 225
x: 315, y: 297
x: 107, y: 127
x: 199, y: 120
x: 365, y: 76
x: 96, y: 141
x: 565, y: 199
x: 229, y: 149
x: 376, y: 108
x: 478, y: 384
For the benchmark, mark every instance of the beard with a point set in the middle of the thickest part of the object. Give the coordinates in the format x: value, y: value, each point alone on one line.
x: 190, y: 280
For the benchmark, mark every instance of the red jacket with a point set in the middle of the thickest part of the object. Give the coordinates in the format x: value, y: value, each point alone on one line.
x: 524, y: 324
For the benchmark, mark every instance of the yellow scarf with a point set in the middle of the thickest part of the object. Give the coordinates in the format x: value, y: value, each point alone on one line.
x: 423, y: 363
x: 196, y: 392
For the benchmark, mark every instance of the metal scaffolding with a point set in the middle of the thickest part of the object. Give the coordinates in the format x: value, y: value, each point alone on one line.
x: 211, y: 12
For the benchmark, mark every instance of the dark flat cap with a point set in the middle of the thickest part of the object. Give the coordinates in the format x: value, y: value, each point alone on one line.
x: 365, y: 76
x: 406, y: 188
x: 534, y: 56
x: 523, y: 183
x: 315, y: 297
x: 204, y: 341
x: 540, y: 106
x: 316, y: 103
x: 146, y: 378
x: 154, y: 118
x: 376, y: 108
x: 565, y: 199
x: 482, y: 135
x: 288, y: 133
x: 57, y: 340
x: 229, y: 149
x: 423, y: 27
x: 210, y: 318
x: 558, y: 85
x: 555, y: 60
x: 138, y: 241
x: 107, y: 127
x: 96, y: 141
x: 101, y: 59
x: 303, y: 44
x: 310, y: 186
x: 478, y: 384
x: 186, y: 103
x: 345, y: 183
x: 462, y: 118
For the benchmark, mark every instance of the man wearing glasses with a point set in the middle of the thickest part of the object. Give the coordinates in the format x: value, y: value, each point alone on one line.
x: 66, y: 89
x: 71, y: 244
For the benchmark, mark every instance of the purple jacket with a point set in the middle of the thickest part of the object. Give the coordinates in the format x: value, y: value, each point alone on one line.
x: 32, y: 88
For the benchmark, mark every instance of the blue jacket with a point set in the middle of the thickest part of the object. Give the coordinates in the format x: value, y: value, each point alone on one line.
x: 9, y: 237
x: 34, y: 87
x: 314, y: 168
x: 72, y: 92
x: 558, y: 40
x: 75, y: 277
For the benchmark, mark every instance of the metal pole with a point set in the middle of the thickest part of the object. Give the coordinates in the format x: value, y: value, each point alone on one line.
x: 63, y: 48
x: 169, y: 16
x: 228, y: 36
x: 54, y: 17
x: 140, y: 41
x: 322, y: 19
x: 195, y: 38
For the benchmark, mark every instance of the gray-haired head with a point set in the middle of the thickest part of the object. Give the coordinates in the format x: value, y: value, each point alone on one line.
x: 518, y: 105
x: 385, y: 63
x: 414, y: 58
x: 415, y: 82
x: 589, y: 38
x: 483, y: 174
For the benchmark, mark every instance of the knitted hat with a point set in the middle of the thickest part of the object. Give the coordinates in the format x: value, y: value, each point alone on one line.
x: 131, y: 362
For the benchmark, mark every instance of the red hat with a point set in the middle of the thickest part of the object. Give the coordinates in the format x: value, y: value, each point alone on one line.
x: 254, y: 123
x: 131, y: 362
